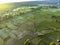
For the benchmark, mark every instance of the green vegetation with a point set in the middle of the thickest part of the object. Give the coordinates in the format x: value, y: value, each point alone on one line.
x: 30, y: 25
x: 27, y: 42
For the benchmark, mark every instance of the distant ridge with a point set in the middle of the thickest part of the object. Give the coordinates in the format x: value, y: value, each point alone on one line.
x: 29, y: 3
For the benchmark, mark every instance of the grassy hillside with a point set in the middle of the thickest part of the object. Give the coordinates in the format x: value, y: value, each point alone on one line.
x: 32, y: 25
x: 8, y: 7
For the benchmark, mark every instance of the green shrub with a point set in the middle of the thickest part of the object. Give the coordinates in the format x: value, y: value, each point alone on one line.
x: 27, y: 42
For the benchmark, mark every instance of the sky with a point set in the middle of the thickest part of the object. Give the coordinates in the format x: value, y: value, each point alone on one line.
x: 7, y: 1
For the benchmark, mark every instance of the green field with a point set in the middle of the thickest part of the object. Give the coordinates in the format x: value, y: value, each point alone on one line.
x: 29, y: 25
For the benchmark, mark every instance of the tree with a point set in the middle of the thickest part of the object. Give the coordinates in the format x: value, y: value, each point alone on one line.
x: 54, y: 1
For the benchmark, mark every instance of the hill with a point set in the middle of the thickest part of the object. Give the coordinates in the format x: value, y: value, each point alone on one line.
x: 27, y: 3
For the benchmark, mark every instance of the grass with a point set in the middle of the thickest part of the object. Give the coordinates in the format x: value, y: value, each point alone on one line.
x: 37, y: 19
